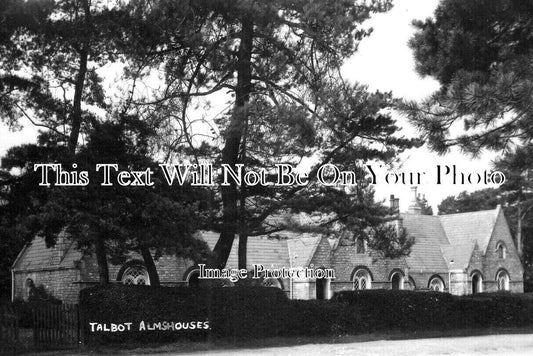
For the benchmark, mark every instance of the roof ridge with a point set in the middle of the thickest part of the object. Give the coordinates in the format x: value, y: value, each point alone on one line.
x: 499, y: 211
x: 470, y: 212
x: 424, y: 215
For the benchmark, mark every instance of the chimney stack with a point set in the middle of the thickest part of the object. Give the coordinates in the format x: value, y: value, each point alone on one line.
x: 394, y: 204
x: 414, y: 207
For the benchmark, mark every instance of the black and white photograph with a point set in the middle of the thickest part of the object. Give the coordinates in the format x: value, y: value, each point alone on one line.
x: 266, y: 177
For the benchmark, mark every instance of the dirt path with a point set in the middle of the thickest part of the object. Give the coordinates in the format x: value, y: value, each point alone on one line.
x: 521, y: 344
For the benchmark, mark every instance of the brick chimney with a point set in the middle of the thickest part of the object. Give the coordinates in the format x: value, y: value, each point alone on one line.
x: 395, y: 211
x: 394, y: 204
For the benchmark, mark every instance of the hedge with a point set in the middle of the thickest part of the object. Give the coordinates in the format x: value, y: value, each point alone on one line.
x: 239, y: 312
x: 144, y: 307
x: 256, y: 312
x: 411, y: 310
x: 247, y: 312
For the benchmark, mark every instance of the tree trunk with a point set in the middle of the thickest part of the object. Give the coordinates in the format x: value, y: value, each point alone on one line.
x: 230, y: 152
x: 150, y: 265
x: 101, y: 258
x: 243, y: 245
x: 75, y: 117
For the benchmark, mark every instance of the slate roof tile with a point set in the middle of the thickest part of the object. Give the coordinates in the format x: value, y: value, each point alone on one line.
x: 271, y: 252
x: 37, y: 256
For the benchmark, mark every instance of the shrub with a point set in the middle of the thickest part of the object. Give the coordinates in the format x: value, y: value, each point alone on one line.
x: 320, y: 317
x: 410, y: 310
x: 253, y: 312
x: 247, y: 312
x: 402, y: 310
x: 39, y: 294
x: 173, y: 309
x: 23, y: 311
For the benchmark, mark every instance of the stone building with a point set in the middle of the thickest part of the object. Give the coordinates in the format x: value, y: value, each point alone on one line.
x: 458, y: 253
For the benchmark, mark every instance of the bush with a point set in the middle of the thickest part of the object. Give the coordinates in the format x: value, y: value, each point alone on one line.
x: 176, y: 312
x: 254, y: 312
x: 39, y: 294
x: 247, y: 312
x: 400, y: 310
x: 320, y: 317
x: 410, y: 310
x: 24, y: 314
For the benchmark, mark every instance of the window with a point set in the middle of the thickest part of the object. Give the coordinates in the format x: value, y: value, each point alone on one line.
x: 502, y: 280
x: 411, y: 285
x: 192, y: 278
x: 361, y: 246
x: 397, y: 281
x: 135, y: 275
x: 28, y: 290
x: 477, y: 283
x: 436, y: 284
x: 271, y: 282
x: 226, y: 283
x: 501, y: 249
x: 361, y: 280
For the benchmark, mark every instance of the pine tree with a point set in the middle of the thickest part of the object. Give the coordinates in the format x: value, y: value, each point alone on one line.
x: 279, y: 61
x: 480, y: 52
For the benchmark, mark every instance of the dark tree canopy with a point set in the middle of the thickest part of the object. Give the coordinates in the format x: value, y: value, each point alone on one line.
x: 278, y: 64
x: 481, y: 53
x: 475, y: 201
x: 110, y: 221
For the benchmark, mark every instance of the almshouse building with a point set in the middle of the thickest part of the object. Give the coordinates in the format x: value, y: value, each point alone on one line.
x: 459, y: 253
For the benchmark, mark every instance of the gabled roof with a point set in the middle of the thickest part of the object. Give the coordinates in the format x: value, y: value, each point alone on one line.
x: 36, y: 256
x: 470, y: 227
x: 302, y: 250
x: 458, y: 256
x: 271, y: 252
x: 448, y: 241
x: 429, y: 235
x: 426, y: 257
x: 426, y: 227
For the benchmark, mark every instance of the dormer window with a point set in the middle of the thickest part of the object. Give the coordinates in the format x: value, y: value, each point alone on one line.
x: 501, y: 250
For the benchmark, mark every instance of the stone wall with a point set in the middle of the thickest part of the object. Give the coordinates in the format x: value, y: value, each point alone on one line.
x: 346, y: 261
x: 171, y: 269
x: 60, y: 283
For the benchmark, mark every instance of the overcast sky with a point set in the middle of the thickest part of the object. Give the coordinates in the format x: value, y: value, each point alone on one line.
x: 384, y: 62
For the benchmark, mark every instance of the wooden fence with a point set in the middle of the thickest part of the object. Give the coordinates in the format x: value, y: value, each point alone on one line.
x: 8, y: 328
x: 55, y: 326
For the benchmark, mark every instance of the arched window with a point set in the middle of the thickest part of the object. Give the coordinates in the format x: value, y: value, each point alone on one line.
x: 135, y: 275
x: 360, y: 246
x: 501, y: 249
x: 227, y: 283
x: 28, y: 288
x: 502, y: 280
x: 410, y: 285
x: 361, y: 280
x: 477, y: 283
x: 192, y: 278
x: 436, y: 284
x: 271, y: 282
x: 396, y: 280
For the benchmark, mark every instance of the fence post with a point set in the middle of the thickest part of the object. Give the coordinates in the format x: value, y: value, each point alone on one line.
x: 81, y: 327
